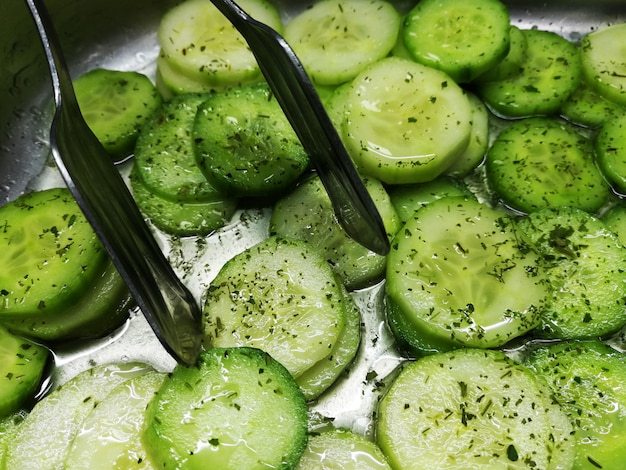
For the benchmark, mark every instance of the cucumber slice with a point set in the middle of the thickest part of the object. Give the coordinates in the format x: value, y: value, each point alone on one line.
x: 474, y: 153
x: 611, y: 151
x: 615, y: 220
x: 22, y: 365
x: 513, y: 63
x: 551, y: 72
x: 48, y: 252
x: 110, y: 435
x: 587, y: 380
x: 604, y: 62
x: 463, y: 39
x: 307, y: 214
x: 170, y: 82
x: 103, y: 307
x: 116, y: 105
x: 408, y: 198
x: 587, y: 272
x: 586, y: 107
x: 537, y: 163
x: 460, y: 274
x: 44, y: 438
x: 236, y: 409
x: 165, y: 158
x: 342, y: 449
x: 280, y: 296
x: 336, y: 39
x: 8, y: 427
x: 420, y: 124
x: 472, y: 409
x: 186, y: 218
x: 319, y: 377
x: 244, y: 144
x: 200, y: 44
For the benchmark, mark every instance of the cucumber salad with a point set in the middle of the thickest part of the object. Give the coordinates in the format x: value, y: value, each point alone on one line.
x: 493, y: 335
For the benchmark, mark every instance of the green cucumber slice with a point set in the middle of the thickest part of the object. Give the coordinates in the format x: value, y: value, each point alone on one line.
x: 48, y: 252
x: 165, y: 157
x: 8, y: 427
x: 43, y: 439
x: 604, y: 61
x: 513, y: 63
x: 588, y: 108
x: 337, y: 39
x: 615, y: 220
x: 408, y: 198
x: 474, y: 153
x: 280, y: 296
x: 610, y: 147
x: 22, y: 364
x: 586, y: 265
x: 236, y: 409
x: 460, y: 273
x: 320, y: 376
x: 307, y: 214
x: 472, y: 409
x: 110, y: 435
x: 342, y: 449
x: 537, y: 163
x: 551, y: 72
x: 115, y: 105
x: 103, y: 307
x: 182, y: 218
x: 200, y: 44
x: 406, y: 122
x: 244, y: 144
x: 463, y: 39
x: 587, y: 379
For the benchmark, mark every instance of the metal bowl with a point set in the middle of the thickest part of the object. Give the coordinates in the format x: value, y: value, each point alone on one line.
x: 121, y: 34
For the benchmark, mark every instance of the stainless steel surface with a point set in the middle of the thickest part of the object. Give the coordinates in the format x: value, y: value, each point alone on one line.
x: 102, y: 194
x: 122, y: 35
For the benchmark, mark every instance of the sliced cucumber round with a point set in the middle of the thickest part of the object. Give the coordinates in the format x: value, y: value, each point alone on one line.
x: 604, y: 61
x: 551, y: 72
x: 199, y: 43
x: 460, y: 274
x: 587, y: 380
x: 611, y: 151
x: 342, y: 449
x: 513, y: 63
x: 48, y: 252
x: 280, y: 296
x: 115, y: 105
x: 472, y: 409
x: 405, y: 122
x: 588, y: 108
x: 43, y: 439
x: 543, y: 162
x: 245, y: 145
x: 463, y: 39
x: 336, y: 39
x: 586, y: 265
x: 22, y: 365
x: 110, y: 435
x: 236, y: 409
x: 307, y: 214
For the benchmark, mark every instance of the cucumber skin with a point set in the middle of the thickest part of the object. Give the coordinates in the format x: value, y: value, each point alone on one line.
x: 213, y: 368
